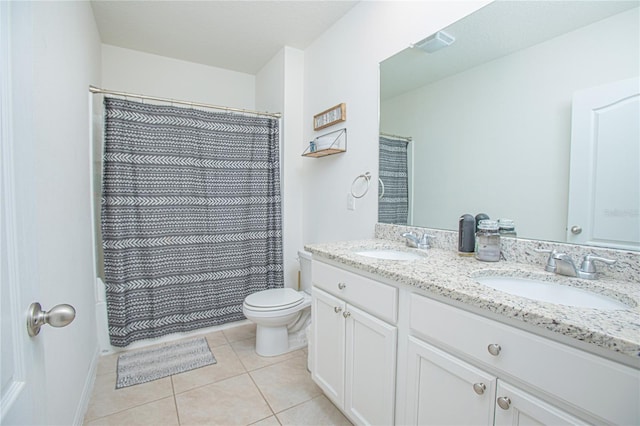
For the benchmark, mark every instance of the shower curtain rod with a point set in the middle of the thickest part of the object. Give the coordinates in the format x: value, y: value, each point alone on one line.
x: 94, y: 90
x: 407, y: 138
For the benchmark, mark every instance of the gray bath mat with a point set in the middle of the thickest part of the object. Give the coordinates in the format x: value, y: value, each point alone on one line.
x: 155, y: 363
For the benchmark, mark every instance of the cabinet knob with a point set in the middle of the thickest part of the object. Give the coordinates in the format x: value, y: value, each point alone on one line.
x: 337, y: 309
x: 494, y: 349
x: 479, y: 388
x: 341, y: 286
x: 504, y: 402
x: 346, y: 314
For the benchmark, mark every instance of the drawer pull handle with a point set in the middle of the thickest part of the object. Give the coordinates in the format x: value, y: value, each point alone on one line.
x: 479, y: 388
x: 337, y: 309
x: 504, y: 402
x: 346, y: 314
x: 494, y: 349
x: 341, y: 286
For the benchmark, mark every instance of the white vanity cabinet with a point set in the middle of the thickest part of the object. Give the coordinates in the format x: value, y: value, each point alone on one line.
x: 443, y: 389
x: 355, y: 343
x: 557, y: 384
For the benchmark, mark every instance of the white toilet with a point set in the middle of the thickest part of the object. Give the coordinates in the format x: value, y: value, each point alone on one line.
x: 281, y: 314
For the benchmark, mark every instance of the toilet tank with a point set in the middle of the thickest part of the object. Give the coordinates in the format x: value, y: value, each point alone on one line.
x: 304, y: 257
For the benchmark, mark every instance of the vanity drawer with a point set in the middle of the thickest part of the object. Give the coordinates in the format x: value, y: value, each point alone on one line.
x: 374, y: 297
x: 606, y: 389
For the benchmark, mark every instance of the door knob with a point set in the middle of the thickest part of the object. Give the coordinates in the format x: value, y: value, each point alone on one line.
x: 58, y: 316
x: 575, y: 229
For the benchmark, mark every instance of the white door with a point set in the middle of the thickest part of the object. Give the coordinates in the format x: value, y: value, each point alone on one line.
x: 443, y: 390
x: 21, y: 357
x: 370, y: 368
x: 328, y: 344
x: 604, y: 184
x: 517, y: 407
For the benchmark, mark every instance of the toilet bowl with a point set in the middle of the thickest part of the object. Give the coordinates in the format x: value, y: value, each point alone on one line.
x: 281, y: 314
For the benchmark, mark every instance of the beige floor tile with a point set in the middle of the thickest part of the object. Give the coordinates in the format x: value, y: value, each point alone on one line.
x: 216, y: 339
x: 228, y: 365
x: 162, y: 413
x: 241, y: 332
x: 286, y: 384
x: 106, y: 400
x: 269, y: 421
x: 107, y: 364
x: 234, y: 401
x: 319, y: 411
x: 246, y: 350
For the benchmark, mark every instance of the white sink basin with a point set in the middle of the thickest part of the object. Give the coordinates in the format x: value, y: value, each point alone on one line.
x: 550, y: 292
x: 389, y: 254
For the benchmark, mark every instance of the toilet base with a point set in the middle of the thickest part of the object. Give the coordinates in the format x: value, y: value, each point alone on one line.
x: 274, y: 341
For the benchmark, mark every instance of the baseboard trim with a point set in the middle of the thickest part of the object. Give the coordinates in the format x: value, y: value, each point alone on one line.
x: 85, y: 399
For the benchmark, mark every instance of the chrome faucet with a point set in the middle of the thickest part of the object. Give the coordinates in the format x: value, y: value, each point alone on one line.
x: 413, y: 240
x: 561, y: 263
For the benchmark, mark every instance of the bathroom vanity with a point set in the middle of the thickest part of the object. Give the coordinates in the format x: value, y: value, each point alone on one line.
x: 419, y: 341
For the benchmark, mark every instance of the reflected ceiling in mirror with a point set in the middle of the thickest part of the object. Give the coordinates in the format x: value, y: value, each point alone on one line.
x: 490, y: 115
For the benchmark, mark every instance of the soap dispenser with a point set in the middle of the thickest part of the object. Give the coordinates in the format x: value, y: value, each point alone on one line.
x: 466, y: 235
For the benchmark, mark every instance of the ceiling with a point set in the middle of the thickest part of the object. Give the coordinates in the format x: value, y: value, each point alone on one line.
x: 496, y: 30
x: 236, y: 35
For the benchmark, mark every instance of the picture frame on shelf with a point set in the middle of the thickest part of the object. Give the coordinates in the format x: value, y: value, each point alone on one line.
x: 330, y: 117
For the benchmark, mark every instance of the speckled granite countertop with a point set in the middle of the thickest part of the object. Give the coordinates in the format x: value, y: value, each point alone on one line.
x: 444, y: 273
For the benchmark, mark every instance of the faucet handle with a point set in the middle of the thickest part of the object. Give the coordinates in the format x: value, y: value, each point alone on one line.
x: 587, y: 262
x: 551, y: 261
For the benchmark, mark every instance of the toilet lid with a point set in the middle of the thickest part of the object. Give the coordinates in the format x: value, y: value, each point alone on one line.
x: 275, y: 298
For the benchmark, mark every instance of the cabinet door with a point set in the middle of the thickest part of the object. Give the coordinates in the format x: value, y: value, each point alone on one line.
x: 443, y: 390
x: 329, y: 343
x: 517, y: 407
x: 370, y: 368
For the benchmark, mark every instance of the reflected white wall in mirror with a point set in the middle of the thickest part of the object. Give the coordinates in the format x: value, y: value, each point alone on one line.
x: 491, y: 120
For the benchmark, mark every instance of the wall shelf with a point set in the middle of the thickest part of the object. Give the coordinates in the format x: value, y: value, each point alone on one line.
x: 327, y: 144
x: 323, y: 152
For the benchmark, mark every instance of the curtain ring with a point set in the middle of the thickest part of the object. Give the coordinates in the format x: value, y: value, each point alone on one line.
x: 382, y: 189
x: 367, y: 177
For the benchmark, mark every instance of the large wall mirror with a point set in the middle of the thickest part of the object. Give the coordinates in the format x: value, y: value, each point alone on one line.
x: 487, y: 123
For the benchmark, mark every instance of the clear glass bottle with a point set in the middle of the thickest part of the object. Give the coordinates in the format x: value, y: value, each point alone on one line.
x: 488, y: 241
x: 507, y: 228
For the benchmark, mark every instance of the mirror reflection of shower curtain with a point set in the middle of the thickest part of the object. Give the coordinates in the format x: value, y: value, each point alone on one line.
x: 393, y: 193
x: 191, y: 217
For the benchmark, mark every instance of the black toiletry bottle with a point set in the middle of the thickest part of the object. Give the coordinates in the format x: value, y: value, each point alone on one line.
x: 466, y: 235
x: 479, y: 217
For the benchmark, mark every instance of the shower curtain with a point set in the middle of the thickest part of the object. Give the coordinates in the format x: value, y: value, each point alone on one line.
x: 191, y: 216
x: 393, y: 202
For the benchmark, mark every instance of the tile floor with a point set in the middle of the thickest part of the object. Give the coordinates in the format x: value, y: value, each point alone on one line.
x: 242, y: 388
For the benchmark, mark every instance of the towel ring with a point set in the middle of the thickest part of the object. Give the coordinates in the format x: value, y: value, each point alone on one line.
x: 367, y: 177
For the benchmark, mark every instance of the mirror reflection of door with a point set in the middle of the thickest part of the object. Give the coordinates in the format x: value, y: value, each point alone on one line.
x: 604, y: 201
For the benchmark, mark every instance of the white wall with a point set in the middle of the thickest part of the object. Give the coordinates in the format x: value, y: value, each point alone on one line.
x: 482, y: 149
x: 59, y: 59
x: 342, y: 66
x: 279, y: 88
x: 144, y: 73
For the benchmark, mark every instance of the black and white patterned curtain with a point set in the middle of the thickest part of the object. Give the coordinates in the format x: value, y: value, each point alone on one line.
x: 393, y: 200
x: 191, y: 217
